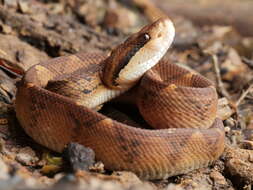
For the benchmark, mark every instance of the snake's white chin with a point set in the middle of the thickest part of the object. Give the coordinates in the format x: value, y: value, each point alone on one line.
x: 147, y: 57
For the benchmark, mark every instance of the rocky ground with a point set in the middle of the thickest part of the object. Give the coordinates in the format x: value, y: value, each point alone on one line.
x: 36, y: 30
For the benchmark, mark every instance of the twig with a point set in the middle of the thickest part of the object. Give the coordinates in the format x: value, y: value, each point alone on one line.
x: 248, y: 62
x: 243, y: 95
x: 220, y: 86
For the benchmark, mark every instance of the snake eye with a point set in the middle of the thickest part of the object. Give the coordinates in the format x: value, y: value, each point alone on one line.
x: 146, y: 37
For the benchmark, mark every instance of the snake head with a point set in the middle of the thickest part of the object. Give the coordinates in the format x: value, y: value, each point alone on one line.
x: 141, y: 51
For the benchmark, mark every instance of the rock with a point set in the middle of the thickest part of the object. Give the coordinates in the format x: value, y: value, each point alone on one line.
x: 78, y: 157
x: 91, y: 12
x: 18, y: 54
x: 98, y: 167
x: 218, y: 178
x: 26, y: 156
x: 118, y: 18
x: 23, y: 7
x: 224, y: 110
x: 204, y: 178
x: 239, y: 164
x: 5, y: 28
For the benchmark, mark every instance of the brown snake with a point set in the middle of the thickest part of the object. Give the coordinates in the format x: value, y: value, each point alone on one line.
x: 181, y: 104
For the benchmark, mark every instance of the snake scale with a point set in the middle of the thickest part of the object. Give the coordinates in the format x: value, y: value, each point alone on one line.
x: 57, y: 103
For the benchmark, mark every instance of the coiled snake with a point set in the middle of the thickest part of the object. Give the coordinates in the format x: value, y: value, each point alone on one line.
x: 57, y: 100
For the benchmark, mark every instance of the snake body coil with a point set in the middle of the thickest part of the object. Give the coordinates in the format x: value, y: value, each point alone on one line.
x: 182, y: 104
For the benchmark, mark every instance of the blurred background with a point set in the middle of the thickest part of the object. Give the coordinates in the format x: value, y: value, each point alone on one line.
x: 214, y: 38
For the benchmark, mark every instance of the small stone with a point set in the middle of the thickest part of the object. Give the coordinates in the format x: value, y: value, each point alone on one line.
x: 120, y: 19
x: 26, y: 156
x: 58, y: 176
x: 6, y: 29
x: 238, y: 162
x: 3, y: 121
x: 230, y: 122
x: 23, y: 7
x: 57, y: 8
x: 98, y: 167
x: 78, y: 157
x: 227, y: 129
x: 224, y: 110
x: 218, y: 178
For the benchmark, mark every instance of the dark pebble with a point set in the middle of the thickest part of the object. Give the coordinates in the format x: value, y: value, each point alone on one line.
x: 78, y: 157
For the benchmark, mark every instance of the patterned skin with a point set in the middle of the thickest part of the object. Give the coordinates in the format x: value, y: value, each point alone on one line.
x: 52, y: 108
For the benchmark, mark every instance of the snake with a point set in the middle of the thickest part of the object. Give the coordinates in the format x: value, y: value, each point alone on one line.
x: 57, y: 102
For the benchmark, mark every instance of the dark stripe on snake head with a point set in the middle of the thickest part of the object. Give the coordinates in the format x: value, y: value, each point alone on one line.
x: 141, y: 41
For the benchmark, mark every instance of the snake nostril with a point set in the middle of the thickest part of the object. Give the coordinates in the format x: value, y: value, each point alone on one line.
x: 159, y: 34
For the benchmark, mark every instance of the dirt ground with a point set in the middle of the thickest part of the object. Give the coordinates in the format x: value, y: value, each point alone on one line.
x: 212, y: 38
